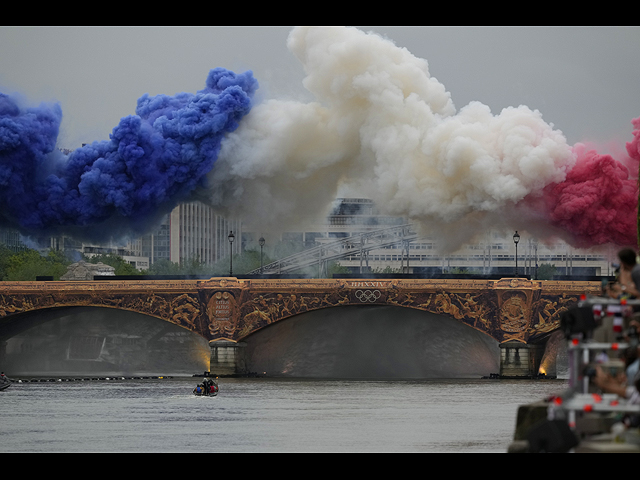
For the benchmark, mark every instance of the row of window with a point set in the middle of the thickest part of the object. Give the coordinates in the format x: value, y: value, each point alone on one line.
x: 475, y: 258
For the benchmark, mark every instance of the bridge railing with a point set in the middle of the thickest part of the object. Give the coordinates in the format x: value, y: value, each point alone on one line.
x: 356, y: 244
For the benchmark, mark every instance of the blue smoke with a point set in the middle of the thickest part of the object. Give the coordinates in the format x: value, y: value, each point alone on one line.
x: 153, y: 160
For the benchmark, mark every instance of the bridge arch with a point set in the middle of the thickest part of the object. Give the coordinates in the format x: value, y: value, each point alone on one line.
x: 472, y: 309
x: 18, y: 322
x: 78, y: 340
x: 371, y: 342
x: 478, y: 325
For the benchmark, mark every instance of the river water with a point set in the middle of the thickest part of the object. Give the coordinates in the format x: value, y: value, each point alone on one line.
x: 266, y: 415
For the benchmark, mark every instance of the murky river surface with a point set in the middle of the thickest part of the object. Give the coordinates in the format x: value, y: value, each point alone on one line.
x: 266, y: 415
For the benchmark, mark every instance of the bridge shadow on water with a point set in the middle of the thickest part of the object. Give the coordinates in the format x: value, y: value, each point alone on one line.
x: 371, y: 342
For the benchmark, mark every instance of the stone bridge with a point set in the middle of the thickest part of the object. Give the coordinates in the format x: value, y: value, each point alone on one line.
x: 513, y: 311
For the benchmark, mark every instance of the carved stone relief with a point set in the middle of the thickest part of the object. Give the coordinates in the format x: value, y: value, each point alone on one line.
x: 232, y: 309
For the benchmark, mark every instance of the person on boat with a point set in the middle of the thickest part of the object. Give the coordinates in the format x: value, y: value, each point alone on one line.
x: 205, y: 385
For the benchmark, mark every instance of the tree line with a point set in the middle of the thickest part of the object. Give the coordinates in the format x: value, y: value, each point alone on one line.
x: 27, y: 264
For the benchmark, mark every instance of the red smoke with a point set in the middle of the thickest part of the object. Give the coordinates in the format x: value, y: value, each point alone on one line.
x: 598, y: 201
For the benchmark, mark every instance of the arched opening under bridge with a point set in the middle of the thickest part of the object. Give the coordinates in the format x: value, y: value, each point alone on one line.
x: 107, y: 341
x: 371, y: 342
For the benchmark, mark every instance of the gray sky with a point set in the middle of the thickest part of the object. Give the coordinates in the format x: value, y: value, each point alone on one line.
x: 582, y: 79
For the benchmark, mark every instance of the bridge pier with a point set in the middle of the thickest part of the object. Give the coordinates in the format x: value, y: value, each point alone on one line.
x: 227, y: 357
x: 520, y: 360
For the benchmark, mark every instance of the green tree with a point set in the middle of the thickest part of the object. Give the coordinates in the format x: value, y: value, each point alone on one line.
x: 5, y: 254
x: 194, y: 266
x: 335, y: 267
x: 463, y: 271
x: 387, y: 269
x: 248, y: 261
x: 243, y: 263
x: 546, y: 271
x: 164, y: 267
x: 29, y: 264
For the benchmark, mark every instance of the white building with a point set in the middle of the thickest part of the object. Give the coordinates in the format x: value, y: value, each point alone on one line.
x: 192, y: 231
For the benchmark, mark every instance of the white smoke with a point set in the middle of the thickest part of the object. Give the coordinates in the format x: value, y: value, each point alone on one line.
x: 382, y: 124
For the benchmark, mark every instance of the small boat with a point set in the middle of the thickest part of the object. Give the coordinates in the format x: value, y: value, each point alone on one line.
x: 4, y: 382
x: 208, y: 388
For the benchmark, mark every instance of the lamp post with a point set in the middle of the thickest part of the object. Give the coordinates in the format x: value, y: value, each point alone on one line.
x: 516, y: 239
x: 261, y: 242
x: 535, y: 245
x: 231, y: 238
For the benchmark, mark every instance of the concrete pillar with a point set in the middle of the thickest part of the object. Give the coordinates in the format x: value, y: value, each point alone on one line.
x: 519, y: 359
x: 227, y: 357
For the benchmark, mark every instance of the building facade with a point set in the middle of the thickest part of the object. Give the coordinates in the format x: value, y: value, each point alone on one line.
x: 495, y: 254
x: 192, y: 231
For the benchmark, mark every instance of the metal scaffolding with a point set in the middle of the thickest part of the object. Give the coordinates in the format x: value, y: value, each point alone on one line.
x: 358, y: 244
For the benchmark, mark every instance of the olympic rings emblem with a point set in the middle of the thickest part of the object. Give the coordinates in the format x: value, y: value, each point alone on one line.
x: 368, y: 295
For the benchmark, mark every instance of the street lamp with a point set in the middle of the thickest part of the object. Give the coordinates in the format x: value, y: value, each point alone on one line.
x: 261, y: 242
x: 231, y: 239
x: 516, y: 239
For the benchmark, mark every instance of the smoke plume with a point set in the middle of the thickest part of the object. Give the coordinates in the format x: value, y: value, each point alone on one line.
x: 380, y: 126
x: 384, y: 127
x: 153, y: 160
